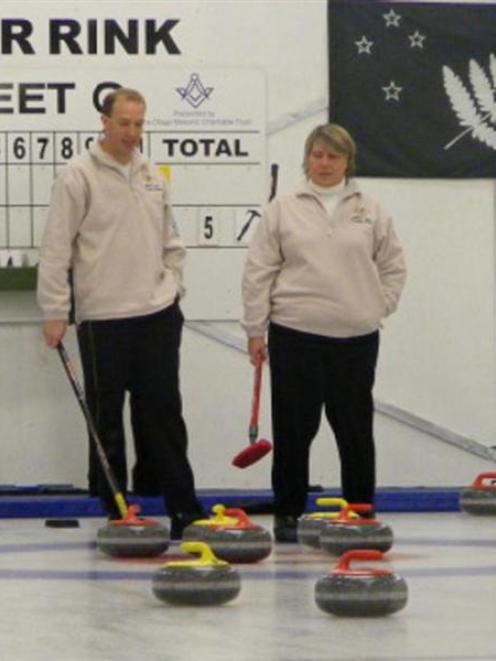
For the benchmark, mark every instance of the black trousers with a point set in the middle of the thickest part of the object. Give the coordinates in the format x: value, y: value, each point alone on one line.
x: 139, y: 355
x: 143, y: 474
x: 308, y: 373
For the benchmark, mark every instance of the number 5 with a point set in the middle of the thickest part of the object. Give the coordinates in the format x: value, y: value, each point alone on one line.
x: 208, y: 227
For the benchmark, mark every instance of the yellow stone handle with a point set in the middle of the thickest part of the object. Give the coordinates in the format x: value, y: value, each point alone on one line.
x: 332, y: 502
x: 206, y: 559
x: 219, y: 518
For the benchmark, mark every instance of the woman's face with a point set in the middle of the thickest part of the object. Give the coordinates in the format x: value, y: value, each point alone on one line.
x: 324, y: 167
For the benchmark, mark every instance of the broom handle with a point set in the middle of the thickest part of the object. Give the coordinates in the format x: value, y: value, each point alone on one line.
x: 71, y: 373
x: 274, y: 173
x: 255, y: 406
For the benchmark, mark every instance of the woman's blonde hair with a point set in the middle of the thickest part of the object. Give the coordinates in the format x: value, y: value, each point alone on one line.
x: 336, y: 140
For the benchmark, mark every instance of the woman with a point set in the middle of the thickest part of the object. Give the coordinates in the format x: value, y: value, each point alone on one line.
x: 323, y: 269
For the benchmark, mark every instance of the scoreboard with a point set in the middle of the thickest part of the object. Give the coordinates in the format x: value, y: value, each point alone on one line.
x: 205, y: 131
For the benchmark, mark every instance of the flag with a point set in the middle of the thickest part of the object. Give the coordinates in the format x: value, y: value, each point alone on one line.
x: 415, y: 85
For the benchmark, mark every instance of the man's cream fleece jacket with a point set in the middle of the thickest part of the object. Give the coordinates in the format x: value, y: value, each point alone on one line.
x: 118, y: 236
x: 335, y: 276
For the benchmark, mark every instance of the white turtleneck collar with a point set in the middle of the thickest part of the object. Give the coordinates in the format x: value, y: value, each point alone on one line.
x: 327, y: 190
x: 330, y: 196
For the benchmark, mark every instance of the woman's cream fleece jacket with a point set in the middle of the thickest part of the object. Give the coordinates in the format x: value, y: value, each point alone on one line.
x: 336, y: 276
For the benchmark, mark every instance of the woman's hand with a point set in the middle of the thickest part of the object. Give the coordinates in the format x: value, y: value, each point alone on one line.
x: 257, y: 349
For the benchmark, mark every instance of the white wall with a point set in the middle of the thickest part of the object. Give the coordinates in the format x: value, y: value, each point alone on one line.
x: 437, y: 356
x: 44, y: 438
x: 439, y: 349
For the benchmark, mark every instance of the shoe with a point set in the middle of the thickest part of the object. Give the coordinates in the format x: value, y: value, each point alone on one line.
x: 367, y: 515
x: 112, y: 513
x: 285, y: 528
x: 180, y: 521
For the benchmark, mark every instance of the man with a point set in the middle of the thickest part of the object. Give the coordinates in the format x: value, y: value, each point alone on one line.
x: 110, y: 221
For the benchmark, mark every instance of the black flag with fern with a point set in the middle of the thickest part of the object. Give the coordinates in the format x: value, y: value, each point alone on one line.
x: 414, y: 83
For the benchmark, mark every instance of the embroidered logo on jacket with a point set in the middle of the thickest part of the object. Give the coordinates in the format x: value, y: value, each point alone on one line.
x: 362, y: 218
x: 150, y: 184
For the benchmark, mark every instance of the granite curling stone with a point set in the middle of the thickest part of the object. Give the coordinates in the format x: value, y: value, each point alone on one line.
x: 236, y: 539
x: 133, y: 537
x: 361, y: 592
x: 311, y: 525
x: 346, y: 533
x: 203, y: 581
x: 480, y: 497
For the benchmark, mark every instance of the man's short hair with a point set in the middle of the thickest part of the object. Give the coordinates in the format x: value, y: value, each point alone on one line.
x: 123, y: 92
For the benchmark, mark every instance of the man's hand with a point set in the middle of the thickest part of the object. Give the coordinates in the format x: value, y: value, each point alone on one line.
x: 54, y: 331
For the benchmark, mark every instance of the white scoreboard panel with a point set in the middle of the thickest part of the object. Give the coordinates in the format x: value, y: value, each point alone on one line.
x: 205, y: 131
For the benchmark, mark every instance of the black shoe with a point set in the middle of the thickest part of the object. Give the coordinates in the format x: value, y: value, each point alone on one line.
x: 180, y: 521
x: 112, y: 513
x: 367, y: 515
x: 285, y: 528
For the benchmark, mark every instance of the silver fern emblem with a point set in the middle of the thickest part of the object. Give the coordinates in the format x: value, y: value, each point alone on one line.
x: 475, y: 109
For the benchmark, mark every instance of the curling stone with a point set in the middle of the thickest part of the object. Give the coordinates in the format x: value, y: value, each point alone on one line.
x: 361, y: 592
x: 133, y: 537
x: 480, y: 497
x: 311, y: 525
x: 204, y: 581
x: 346, y: 533
x: 236, y: 539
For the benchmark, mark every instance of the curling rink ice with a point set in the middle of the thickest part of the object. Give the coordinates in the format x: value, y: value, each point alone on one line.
x: 62, y: 600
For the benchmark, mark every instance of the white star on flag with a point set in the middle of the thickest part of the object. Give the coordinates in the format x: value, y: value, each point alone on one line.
x: 416, y: 39
x: 392, y: 19
x: 392, y: 91
x: 364, y: 46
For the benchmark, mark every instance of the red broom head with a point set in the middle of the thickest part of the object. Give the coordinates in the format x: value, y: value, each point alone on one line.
x: 252, y: 453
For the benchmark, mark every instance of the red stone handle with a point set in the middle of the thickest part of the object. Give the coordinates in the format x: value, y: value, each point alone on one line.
x: 344, y: 568
x: 484, y: 476
x: 358, y: 508
x: 243, y: 520
x: 132, y: 519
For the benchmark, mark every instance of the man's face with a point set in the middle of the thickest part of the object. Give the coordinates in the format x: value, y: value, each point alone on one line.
x: 123, y: 129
